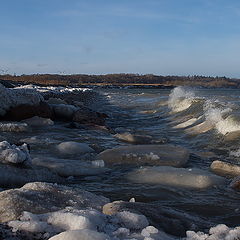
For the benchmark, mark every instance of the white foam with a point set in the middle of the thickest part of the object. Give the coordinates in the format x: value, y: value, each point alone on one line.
x: 180, y: 99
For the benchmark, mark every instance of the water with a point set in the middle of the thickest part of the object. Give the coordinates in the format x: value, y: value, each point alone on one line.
x: 205, y: 121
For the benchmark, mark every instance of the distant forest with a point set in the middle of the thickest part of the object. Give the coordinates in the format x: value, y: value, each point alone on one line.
x: 124, y: 80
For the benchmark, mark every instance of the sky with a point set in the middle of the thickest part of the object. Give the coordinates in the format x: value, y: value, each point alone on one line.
x: 163, y: 37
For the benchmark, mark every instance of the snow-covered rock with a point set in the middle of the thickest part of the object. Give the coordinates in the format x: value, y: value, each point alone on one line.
x: 165, y: 154
x: 13, y: 97
x: 39, y: 197
x: 178, y: 177
x: 14, y: 127
x: 64, y: 111
x: 70, y: 148
x: 84, y: 234
x: 38, y: 121
x: 66, y: 168
x: 14, y: 154
x: 219, y: 232
x: 225, y: 169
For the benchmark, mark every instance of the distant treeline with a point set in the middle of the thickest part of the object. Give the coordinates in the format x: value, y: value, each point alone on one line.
x: 124, y: 79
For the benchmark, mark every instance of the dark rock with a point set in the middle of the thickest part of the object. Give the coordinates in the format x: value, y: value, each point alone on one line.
x: 25, y: 111
x: 86, y: 115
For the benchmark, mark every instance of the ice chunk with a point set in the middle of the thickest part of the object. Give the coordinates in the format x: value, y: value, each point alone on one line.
x: 73, y: 148
x: 84, y: 234
x: 179, y: 177
x: 132, y: 220
x: 13, y: 154
x: 14, y: 127
x: 168, y: 155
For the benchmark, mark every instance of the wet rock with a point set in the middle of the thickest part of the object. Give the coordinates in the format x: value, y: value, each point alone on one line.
x: 225, y: 169
x: 38, y: 121
x: 14, y: 127
x: 56, y: 101
x: 84, y: 234
x: 170, y: 220
x: 11, y: 176
x: 25, y: 111
x: 232, y: 136
x: 86, y: 115
x: 64, y: 111
x: 137, y: 138
x: 39, y: 197
x: 235, y: 183
x: 178, y: 177
x: 201, y: 128
x: 70, y: 148
x: 66, y: 168
x: 165, y: 155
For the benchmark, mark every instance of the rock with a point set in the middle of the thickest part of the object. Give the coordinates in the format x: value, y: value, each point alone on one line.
x: 11, y: 176
x: 11, y: 98
x: 136, y: 138
x: 177, y: 177
x: 25, y: 111
x: 56, y: 101
x: 70, y: 148
x: 13, y: 154
x: 170, y: 220
x: 235, y: 183
x: 225, y: 169
x: 84, y: 234
x: 38, y: 121
x: 86, y: 115
x: 39, y: 197
x: 169, y: 155
x: 14, y: 127
x: 201, y: 128
x: 64, y: 111
x: 66, y: 168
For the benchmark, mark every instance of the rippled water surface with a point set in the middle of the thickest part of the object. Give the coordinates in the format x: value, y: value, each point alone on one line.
x: 166, y: 115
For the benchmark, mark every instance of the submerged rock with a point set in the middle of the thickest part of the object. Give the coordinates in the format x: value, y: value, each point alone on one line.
x: 11, y: 176
x: 39, y: 121
x: 66, y: 168
x: 39, y: 197
x: 137, y: 139
x: 70, y: 148
x: 167, y: 155
x: 178, y: 177
x: 225, y: 169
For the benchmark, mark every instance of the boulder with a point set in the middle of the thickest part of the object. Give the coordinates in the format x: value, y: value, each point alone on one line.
x: 72, y: 148
x: 167, y: 155
x: 225, y: 169
x: 38, y: 122
x: 86, y: 115
x: 25, y: 111
x: 66, y: 168
x: 56, y: 101
x: 64, y: 111
x: 178, y: 177
x: 39, y: 197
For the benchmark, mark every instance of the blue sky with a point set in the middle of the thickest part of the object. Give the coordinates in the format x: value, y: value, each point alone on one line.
x: 167, y: 37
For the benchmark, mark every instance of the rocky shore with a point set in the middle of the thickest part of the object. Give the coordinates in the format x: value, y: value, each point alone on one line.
x: 36, y: 201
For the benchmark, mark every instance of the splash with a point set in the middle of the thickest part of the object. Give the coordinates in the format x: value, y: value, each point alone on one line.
x: 180, y: 99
